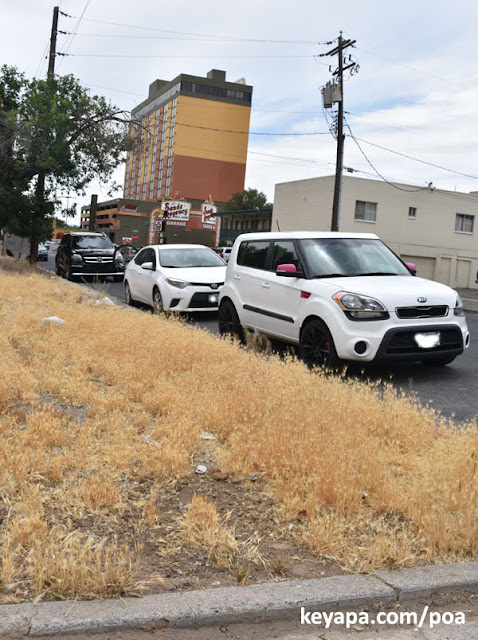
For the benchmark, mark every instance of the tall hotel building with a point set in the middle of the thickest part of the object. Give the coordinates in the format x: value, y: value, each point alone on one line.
x: 190, y: 140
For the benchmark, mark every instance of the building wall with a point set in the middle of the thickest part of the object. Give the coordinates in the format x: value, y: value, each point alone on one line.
x: 429, y: 239
x: 189, y: 146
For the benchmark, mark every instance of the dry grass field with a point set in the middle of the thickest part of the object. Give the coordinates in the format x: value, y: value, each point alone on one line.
x: 102, y: 423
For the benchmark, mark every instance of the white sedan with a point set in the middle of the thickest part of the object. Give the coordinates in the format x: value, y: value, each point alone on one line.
x: 175, y: 277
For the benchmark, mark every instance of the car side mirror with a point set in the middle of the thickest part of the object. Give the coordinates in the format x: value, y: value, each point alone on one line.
x: 148, y: 266
x: 288, y: 271
x: 411, y: 267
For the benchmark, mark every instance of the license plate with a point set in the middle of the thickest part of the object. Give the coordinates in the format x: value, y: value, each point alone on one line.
x: 428, y: 340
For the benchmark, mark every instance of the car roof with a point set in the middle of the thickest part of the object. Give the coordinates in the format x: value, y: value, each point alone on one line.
x: 85, y: 233
x: 165, y: 247
x: 300, y: 235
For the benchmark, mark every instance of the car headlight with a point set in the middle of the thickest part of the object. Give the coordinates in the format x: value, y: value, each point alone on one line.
x: 119, y: 258
x: 76, y: 258
x: 458, y: 311
x: 179, y: 284
x: 358, y: 307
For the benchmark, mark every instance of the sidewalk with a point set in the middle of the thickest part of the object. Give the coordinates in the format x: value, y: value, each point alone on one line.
x: 229, y: 605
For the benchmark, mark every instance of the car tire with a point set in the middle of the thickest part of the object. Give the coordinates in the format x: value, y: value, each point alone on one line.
x: 68, y: 274
x: 316, y: 346
x: 57, y: 269
x: 128, y: 298
x: 438, y: 362
x: 228, y: 320
x: 158, y: 307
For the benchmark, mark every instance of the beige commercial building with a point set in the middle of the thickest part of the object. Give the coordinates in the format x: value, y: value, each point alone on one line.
x: 434, y: 228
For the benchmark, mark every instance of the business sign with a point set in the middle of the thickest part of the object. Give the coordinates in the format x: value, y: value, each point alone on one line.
x: 208, y: 212
x: 176, y: 210
x: 126, y: 240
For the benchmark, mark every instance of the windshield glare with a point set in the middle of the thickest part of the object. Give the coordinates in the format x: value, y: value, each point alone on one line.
x: 184, y: 258
x: 91, y: 242
x: 350, y: 257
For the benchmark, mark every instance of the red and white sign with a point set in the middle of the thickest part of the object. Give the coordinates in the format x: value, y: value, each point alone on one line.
x: 134, y: 237
x: 176, y: 210
x: 208, y: 212
x: 126, y: 240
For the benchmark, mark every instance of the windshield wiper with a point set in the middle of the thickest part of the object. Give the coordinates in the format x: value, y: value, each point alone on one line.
x: 376, y: 273
x: 332, y: 275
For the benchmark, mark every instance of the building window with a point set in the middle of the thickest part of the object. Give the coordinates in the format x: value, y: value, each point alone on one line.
x: 365, y: 211
x: 464, y: 223
x: 412, y: 212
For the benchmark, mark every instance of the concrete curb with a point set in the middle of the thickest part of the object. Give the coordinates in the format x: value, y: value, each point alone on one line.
x: 254, y: 603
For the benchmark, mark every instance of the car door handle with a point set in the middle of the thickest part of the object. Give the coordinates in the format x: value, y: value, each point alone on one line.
x: 266, y: 285
x: 236, y: 277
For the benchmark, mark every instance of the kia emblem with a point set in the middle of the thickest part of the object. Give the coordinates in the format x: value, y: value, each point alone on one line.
x: 421, y: 299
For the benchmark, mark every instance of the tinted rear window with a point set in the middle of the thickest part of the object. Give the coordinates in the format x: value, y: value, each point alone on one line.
x: 253, y: 254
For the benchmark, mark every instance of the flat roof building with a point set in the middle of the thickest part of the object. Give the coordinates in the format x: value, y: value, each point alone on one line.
x: 190, y: 139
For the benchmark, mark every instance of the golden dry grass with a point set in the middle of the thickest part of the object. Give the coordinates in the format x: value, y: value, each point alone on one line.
x: 115, y: 398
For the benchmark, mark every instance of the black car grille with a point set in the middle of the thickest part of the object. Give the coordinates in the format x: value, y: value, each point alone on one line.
x: 403, y: 342
x: 437, y: 311
x: 212, y: 285
x: 201, y: 301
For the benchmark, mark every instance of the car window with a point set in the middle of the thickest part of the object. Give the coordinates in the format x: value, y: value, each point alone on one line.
x: 253, y: 254
x: 189, y: 257
x: 350, y: 257
x: 141, y: 257
x: 91, y: 242
x: 283, y: 252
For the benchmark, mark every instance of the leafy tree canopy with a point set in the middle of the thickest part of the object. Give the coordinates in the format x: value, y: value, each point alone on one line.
x: 246, y: 200
x: 55, y: 138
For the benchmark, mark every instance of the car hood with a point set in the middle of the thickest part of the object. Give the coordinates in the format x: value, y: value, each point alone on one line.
x: 205, y: 275
x: 392, y: 291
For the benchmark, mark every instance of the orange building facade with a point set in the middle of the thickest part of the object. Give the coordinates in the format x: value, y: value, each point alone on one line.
x: 190, y: 140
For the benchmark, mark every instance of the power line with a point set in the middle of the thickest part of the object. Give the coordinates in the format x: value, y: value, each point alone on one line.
x: 215, y: 57
x: 376, y: 171
x: 431, y: 164
x: 204, y: 35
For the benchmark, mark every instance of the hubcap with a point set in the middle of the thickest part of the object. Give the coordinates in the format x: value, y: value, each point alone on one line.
x: 157, y: 302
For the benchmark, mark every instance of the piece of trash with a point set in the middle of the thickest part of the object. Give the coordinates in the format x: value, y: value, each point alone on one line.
x: 364, y: 495
x: 207, y: 436
x: 201, y: 468
x: 148, y: 440
x: 105, y: 302
x: 255, y: 478
x: 53, y: 320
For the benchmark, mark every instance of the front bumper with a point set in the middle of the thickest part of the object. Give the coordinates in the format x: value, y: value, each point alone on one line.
x: 394, y: 340
x: 191, y: 299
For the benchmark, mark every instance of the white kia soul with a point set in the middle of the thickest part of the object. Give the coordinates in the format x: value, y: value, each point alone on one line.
x: 339, y: 296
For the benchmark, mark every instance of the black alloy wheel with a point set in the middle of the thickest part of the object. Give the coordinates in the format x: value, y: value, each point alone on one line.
x: 68, y: 273
x: 317, y: 347
x: 228, y: 320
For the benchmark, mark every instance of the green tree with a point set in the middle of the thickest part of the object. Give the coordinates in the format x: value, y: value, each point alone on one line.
x: 247, y: 200
x: 63, y: 139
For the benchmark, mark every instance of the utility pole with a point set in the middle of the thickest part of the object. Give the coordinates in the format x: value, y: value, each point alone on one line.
x: 338, y: 90
x: 54, y: 31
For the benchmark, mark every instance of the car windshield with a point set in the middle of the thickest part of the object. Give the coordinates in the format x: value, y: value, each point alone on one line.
x: 338, y: 257
x: 194, y: 257
x: 91, y: 242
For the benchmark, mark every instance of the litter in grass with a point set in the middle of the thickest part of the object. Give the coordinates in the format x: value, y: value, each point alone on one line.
x: 104, y: 302
x: 53, y: 320
x: 201, y: 468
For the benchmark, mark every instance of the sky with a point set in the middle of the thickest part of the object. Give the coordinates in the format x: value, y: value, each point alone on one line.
x: 411, y: 110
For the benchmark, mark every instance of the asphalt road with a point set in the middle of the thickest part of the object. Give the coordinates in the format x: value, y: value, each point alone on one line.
x: 450, y: 390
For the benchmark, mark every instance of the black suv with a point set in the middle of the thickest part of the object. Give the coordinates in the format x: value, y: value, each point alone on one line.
x: 88, y: 254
